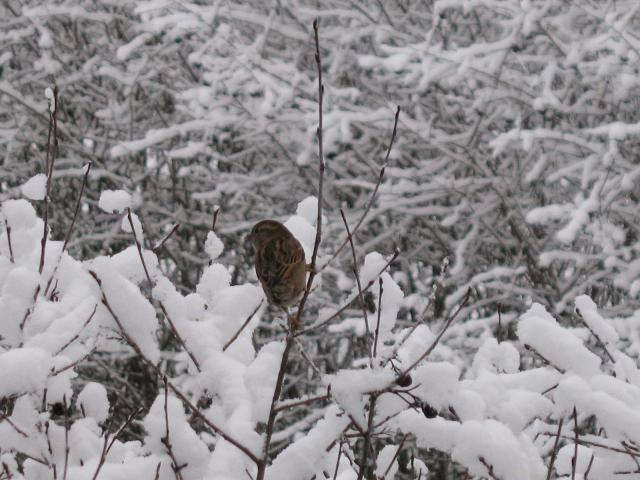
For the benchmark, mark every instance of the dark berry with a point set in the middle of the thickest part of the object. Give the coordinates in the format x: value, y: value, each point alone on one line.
x: 429, y: 411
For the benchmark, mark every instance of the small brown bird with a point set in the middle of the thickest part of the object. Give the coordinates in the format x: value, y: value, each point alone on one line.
x: 280, y: 263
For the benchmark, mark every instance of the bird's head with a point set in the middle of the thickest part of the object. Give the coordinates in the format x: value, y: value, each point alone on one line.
x: 265, y: 231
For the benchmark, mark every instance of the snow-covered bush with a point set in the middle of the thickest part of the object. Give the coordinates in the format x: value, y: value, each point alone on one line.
x: 563, y: 400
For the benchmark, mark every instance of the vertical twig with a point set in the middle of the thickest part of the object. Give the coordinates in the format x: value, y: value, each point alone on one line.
x: 67, y: 237
x: 166, y: 439
x: 375, y: 340
x: 335, y: 472
x: 8, y: 227
x: 586, y: 473
x: 50, y: 160
x: 216, y: 211
x: 396, y: 455
x: 273, y: 411
x: 66, y: 437
x: 367, y: 437
x: 574, y: 459
x: 321, y: 166
x: 357, y: 275
x: 554, y: 452
x: 139, y: 247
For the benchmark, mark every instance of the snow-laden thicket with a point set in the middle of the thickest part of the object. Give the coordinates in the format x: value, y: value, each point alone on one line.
x: 517, y: 158
x: 557, y: 401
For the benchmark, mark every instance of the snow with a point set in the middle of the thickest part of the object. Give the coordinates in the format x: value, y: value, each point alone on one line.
x: 260, y: 378
x: 93, y: 401
x: 19, y: 214
x: 308, y: 209
x: 49, y: 95
x: 126, y: 225
x: 36, y: 187
x: 560, y: 347
x: 114, y: 201
x: 387, y: 464
x: 213, y: 246
x: 589, y: 313
x: 186, y: 447
x: 24, y: 370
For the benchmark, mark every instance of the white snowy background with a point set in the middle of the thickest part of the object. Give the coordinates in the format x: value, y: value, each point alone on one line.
x: 485, y: 323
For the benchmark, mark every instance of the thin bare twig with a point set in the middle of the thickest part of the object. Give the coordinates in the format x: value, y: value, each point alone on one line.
x: 542, y: 357
x: 8, y: 227
x: 367, y: 436
x: 66, y: 437
x: 75, y: 337
x: 375, y: 340
x: 335, y: 472
x: 554, y: 452
x: 166, y: 441
x: 156, y: 248
x: 574, y: 459
x: 67, y: 237
x: 321, y: 166
x: 52, y: 150
x: 437, y: 339
x: 85, y: 179
x: 346, y: 305
x: 357, y: 275
x: 396, y: 454
x: 242, y: 327
x: 273, y: 412
x: 215, y: 219
x: 489, y: 468
x: 305, y: 401
x: 595, y: 335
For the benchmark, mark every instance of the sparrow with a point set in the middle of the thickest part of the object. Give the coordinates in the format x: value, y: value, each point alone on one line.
x: 280, y: 263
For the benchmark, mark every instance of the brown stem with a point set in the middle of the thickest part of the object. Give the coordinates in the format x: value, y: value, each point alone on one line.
x: 316, y: 243
x: 66, y: 437
x: 346, y: 305
x: 67, y: 237
x: 367, y: 437
x: 242, y: 327
x: 8, y: 227
x: 574, y: 459
x: 357, y: 275
x: 375, y: 340
x: 437, y: 339
x: 273, y: 411
x: 166, y: 441
x: 161, y: 243
x: 52, y: 150
x: 554, y: 452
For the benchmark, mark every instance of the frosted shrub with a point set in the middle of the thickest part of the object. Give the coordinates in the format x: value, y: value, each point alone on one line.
x: 521, y: 408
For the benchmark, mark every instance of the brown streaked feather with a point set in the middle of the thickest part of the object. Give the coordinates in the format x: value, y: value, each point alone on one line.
x: 280, y: 262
